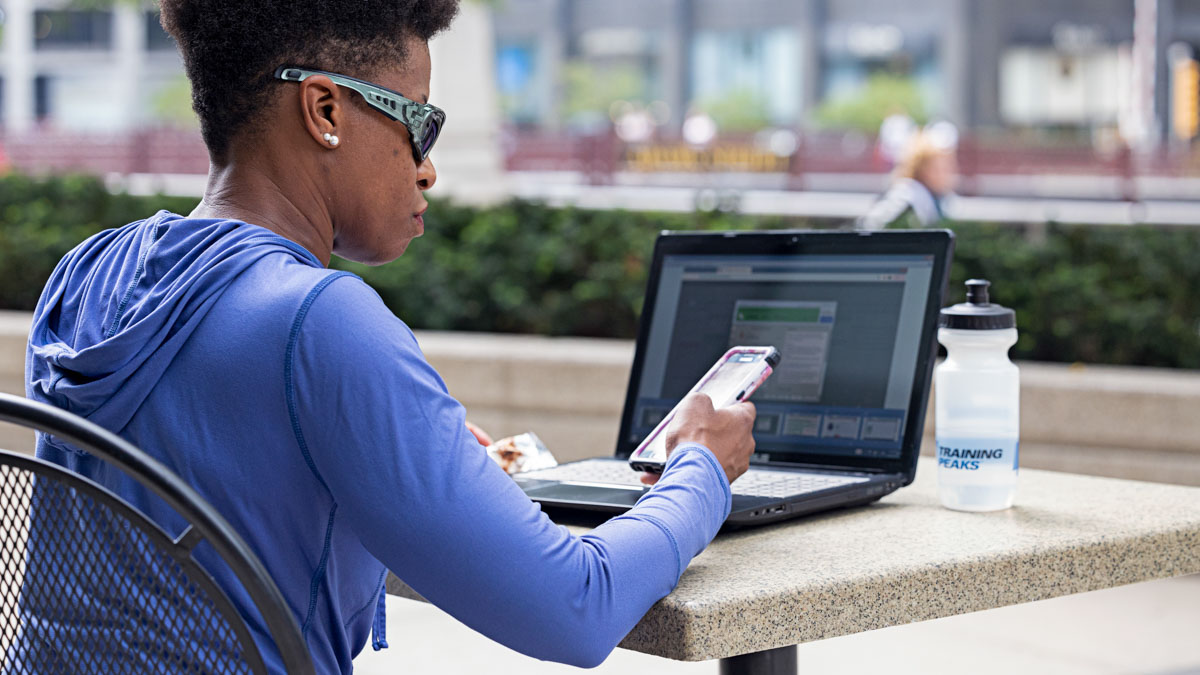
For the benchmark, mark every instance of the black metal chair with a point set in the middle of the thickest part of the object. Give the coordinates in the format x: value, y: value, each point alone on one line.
x: 89, y: 584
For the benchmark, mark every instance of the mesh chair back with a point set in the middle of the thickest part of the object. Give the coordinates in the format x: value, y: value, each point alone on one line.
x: 88, y: 584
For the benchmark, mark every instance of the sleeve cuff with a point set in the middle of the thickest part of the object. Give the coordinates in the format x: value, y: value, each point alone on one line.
x: 712, y: 462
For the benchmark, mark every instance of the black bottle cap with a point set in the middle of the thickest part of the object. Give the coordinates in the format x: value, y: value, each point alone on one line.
x: 978, y: 312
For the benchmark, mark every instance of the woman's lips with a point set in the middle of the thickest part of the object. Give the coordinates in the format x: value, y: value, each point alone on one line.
x: 419, y: 216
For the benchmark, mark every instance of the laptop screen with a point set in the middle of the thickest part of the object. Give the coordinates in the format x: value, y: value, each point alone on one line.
x: 850, y: 329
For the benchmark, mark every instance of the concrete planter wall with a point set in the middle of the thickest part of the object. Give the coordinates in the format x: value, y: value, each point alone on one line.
x: 1137, y: 423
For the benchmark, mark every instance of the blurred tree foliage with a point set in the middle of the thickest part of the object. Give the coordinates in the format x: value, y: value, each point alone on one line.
x: 1120, y: 295
x: 589, y: 90
x: 737, y: 110
x: 883, y: 94
x: 173, y: 104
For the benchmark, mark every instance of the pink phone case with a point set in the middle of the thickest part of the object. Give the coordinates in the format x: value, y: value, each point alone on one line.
x: 738, y: 389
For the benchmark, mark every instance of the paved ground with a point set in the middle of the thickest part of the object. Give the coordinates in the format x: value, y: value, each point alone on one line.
x: 1151, y: 628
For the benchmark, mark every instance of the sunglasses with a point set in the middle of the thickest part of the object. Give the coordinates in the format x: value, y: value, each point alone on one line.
x: 423, y: 121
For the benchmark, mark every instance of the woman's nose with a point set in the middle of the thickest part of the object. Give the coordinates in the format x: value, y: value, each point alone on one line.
x: 426, y: 174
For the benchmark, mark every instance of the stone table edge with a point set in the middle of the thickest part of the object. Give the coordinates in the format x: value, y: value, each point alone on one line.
x: 691, y: 631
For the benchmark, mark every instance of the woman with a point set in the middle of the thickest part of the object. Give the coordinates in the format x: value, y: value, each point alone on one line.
x: 926, y: 174
x: 288, y: 394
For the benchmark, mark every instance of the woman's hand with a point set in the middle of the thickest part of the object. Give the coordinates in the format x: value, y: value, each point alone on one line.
x: 727, y: 433
x: 480, y: 435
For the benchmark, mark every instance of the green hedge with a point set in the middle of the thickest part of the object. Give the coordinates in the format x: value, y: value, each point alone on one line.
x: 1099, y: 294
x: 525, y: 268
x: 1093, y: 294
x: 41, y: 219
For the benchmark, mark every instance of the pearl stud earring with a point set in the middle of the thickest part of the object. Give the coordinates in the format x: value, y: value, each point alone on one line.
x: 331, y: 139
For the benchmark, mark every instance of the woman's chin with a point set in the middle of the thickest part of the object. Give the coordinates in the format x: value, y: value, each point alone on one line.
x: 375, y: 257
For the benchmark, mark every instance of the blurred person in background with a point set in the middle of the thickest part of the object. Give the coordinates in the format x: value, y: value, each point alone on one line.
x: 926, y: 174
x: 896, y: 131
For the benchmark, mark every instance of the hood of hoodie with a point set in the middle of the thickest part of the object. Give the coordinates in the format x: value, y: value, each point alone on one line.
x: 120, y: 306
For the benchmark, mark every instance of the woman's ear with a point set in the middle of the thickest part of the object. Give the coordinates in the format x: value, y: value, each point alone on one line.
x: 322, y: 109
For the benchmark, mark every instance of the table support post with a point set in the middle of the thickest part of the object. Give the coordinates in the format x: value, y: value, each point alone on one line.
x: 779, y: 661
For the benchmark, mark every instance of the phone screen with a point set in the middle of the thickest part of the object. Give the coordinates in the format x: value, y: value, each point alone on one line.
x: 725, y: 384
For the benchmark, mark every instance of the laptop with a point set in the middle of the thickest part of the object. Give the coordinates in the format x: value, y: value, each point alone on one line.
x: 840, y: 420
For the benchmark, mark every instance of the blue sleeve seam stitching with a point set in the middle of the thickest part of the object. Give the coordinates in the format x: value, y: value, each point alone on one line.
x: 289, y: 378
x: 653, y: 520
x: 138, y: 273
x: 314, y: 585
x: 370, y: 603
x: 290, y: 394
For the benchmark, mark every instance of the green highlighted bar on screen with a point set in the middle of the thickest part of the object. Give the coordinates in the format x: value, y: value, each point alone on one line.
x: 780, y: 314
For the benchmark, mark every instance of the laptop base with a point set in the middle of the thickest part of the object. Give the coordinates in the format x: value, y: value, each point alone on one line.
x: 611, y: 498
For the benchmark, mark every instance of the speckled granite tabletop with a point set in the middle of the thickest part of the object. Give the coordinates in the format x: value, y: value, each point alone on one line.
x: 906, y: 559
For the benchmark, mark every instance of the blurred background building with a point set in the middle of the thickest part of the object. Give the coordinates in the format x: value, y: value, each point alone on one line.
x: 786, y: 94
x: 818, y: 63
x: 78, y: 68
x: 559, y: 63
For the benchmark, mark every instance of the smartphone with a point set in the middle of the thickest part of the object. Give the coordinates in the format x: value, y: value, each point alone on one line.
x: 733, y: 378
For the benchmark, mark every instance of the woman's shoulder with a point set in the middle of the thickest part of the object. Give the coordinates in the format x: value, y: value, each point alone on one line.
x: 279, y: 284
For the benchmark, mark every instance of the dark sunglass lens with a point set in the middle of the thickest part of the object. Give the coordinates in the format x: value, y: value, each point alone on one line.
x: 429, y: 136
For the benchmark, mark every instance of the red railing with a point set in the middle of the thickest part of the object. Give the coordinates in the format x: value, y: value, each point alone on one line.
x: 142, y: 151
x: 599, y: 157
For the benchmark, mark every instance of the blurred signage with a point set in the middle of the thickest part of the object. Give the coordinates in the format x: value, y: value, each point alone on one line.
x: 724, y: 157
x: 1073, y: 38
x: 864, y: 40
x: 1185, y: 92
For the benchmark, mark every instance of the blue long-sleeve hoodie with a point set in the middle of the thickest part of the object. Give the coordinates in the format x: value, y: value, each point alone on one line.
x: 302, y: 409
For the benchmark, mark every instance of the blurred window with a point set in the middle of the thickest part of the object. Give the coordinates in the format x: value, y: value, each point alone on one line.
x: 855, y: 51
x: 80, y: 102
x: 1044, y: 86
x: 71, y: 29
x: 41, y: 97
x: 629, y: 53
x: 517, y: 82
x: 761, y: 69
x: 612, y: 67
x: 157, y: 38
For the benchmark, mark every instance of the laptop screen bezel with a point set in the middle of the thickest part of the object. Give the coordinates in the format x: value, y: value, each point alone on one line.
x: 937, y: 243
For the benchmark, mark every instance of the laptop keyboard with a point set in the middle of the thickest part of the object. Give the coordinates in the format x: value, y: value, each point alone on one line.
x: 589, y: 471
x: 753, y: 483
x: 767, y: 483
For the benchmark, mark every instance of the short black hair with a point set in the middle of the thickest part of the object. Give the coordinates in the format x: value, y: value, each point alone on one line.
x: 231, y: 48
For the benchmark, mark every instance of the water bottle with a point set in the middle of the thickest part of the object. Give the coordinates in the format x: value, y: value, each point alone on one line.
x: 978, y: 397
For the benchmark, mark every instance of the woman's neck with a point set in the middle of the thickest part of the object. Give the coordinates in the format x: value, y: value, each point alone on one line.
x: 252, y: 193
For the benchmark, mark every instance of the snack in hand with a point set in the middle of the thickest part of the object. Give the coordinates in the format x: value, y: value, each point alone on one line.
x: 524, y: 452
